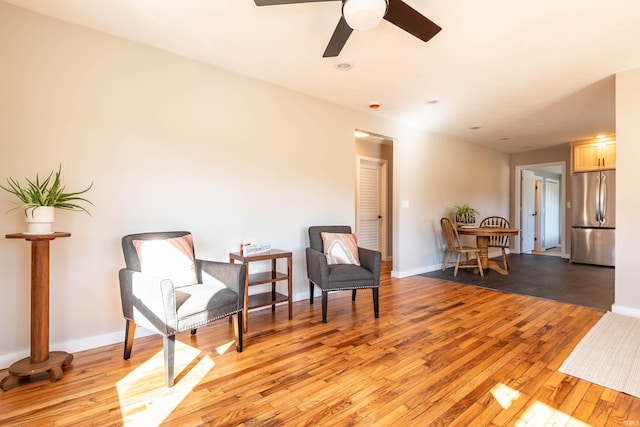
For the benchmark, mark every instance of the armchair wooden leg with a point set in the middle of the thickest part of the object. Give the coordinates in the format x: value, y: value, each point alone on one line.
x: 311, y: 285
x: 129, y: 334
x: 169, y: 344
x: 505, y: 259
x: 325, y: 303
x: 353, y: 295
x: 237, y: 330
x: 376, y: 305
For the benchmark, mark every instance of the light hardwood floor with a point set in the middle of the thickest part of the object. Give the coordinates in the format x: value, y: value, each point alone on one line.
x: 440, y: 354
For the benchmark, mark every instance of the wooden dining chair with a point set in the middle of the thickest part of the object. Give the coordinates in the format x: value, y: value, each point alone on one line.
x: 454, y: 245
x: 501, y: 242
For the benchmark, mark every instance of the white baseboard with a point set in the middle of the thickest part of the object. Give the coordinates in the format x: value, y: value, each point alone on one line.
x: 415, y: 271
x: 627, y: 311
x: 75, y: 345
x: 428, y: 268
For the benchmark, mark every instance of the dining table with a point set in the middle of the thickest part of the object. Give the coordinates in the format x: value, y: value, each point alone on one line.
x: 482, y: 242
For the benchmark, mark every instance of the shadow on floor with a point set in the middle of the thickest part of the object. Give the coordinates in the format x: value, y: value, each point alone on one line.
x: 545, y: 277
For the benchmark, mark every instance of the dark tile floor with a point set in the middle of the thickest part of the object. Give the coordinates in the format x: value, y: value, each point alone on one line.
x: 545, y: 277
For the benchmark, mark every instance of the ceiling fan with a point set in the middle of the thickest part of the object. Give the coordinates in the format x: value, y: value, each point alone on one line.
x: 366, y: 14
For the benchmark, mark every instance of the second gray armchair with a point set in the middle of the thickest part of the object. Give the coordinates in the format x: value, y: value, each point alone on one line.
x: 341, y: 276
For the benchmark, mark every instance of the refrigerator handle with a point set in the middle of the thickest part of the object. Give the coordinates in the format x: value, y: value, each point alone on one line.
x: 598, y: 202
x: 603, y: 199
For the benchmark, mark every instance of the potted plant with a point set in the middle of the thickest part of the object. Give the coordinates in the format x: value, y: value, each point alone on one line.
x: 464, y: 215
x: 40, y: 198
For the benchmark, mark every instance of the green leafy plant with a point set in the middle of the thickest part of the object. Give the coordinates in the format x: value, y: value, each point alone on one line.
x: 464, y: 214
x: 47, y: 192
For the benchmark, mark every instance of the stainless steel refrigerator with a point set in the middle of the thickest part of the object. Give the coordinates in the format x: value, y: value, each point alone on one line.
x: 593, y: 203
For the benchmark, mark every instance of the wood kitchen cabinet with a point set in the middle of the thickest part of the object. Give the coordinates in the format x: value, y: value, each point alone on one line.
x: 593, y: 155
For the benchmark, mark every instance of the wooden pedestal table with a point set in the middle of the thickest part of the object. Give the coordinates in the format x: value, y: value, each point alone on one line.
x: 482, y: 242
x: 41, y: 360
x: 266, y: 298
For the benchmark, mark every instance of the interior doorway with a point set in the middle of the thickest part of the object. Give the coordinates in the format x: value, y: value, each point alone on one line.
x: 374, y: 184
x: 540, y: 213
x: 371, y: 208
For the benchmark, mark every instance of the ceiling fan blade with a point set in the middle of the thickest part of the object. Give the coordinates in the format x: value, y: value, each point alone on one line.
x: 275, y: 2
x: 338, y: 39
x: 410, y: 20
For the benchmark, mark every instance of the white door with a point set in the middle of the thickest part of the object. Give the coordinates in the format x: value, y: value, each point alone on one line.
x: 528, y: 211
x: 370, y: 209
x: 539, y: 236
x: 552, y: 213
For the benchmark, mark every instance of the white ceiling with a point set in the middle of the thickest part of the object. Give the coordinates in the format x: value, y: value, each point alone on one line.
x: 538, y: 72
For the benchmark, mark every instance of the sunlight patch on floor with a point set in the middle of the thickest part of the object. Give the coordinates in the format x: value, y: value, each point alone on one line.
x: 144, y: 399
x: 225, y: 347
x: 538, y: 414
x: 505, y: 395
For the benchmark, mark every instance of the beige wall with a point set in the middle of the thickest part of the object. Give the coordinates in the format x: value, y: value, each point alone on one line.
x: 627, y: 297
x: 171, y: 143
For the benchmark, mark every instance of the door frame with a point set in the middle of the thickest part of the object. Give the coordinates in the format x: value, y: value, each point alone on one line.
x: 516, y: 207
x: 527, y: 214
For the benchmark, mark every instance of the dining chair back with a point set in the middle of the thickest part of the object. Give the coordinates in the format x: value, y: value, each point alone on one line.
x: 454, y: 245
x: 501, y: 242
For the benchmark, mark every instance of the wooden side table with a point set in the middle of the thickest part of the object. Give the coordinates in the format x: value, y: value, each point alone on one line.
x: 266, y: 298
x: 41, y: 360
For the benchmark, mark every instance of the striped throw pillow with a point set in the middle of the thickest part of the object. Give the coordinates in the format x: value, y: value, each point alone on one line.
x: 340, y: 248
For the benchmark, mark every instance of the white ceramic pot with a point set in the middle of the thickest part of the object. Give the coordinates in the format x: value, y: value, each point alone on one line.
x: 40, y: 220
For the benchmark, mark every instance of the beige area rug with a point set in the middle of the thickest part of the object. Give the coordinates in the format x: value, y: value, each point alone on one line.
x: 609, y: 354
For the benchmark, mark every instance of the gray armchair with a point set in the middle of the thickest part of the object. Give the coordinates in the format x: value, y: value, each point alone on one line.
x: 193, y: 294
x: 341, y: 277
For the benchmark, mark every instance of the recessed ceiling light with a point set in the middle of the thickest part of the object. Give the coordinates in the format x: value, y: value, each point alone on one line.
x: 475, y: 127
x: 432, y: 101
x: 344, y: 66
x: 527, y: 146
x: 506, y: 138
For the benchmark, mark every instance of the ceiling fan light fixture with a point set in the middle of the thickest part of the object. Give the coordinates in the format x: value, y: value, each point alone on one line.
x: 364, y: 14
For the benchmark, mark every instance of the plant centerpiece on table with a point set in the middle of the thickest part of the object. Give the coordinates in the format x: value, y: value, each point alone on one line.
x: 40, y: 198
x: 464, y: 215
